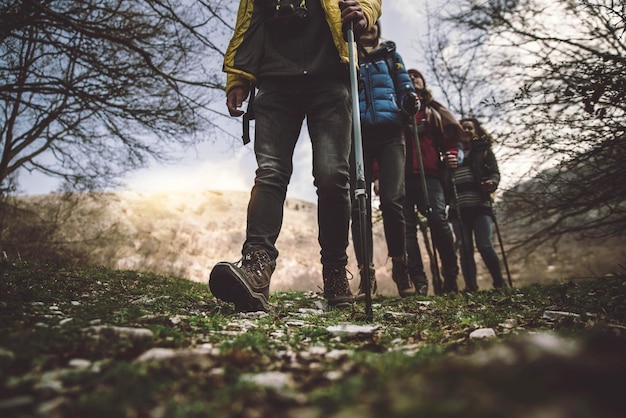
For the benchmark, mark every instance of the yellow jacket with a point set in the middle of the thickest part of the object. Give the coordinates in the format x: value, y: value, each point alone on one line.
x: 242, y: 57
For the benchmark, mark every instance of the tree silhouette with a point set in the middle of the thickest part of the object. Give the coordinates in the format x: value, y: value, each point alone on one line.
x: 548, y: 78
x: 93, y: 89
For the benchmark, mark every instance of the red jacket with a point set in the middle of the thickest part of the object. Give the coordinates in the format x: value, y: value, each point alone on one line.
x: 439, y: 133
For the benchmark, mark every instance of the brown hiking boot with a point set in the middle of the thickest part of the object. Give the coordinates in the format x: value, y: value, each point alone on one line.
x: 373, y: 285
x: 336, y: 288
x: 247, y: 284
x: 400, y: 275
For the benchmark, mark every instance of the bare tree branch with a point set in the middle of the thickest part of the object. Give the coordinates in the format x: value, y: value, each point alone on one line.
x: 91, y: 90
x: 555, y: 70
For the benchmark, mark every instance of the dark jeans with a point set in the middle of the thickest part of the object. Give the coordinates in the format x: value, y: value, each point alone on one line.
x: 479, y: 227
x: 280, y: 107
x: 438, y: 223
x: 387, y: 148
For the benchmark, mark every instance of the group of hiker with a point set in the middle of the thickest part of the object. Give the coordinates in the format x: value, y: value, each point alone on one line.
x: 416, y: 155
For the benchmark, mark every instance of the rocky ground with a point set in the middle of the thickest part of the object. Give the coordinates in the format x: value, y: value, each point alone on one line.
x: 80, y: 341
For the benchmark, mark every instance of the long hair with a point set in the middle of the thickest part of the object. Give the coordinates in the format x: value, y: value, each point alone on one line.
x: 481, y: 133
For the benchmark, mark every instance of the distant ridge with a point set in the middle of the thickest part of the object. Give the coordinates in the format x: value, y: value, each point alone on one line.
x: 185, y: 233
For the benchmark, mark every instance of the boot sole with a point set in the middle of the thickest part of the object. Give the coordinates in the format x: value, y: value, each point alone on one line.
x: 227, y: 284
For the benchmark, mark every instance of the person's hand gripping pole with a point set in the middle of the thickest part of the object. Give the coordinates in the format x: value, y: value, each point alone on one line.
x: 360, y: 193
x: 434, y: 266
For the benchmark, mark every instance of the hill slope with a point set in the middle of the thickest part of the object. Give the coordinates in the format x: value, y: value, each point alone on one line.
x: 182, y: 234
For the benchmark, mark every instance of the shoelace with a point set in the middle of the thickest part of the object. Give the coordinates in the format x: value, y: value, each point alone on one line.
x: 253, y: 264
x: 348, y: 273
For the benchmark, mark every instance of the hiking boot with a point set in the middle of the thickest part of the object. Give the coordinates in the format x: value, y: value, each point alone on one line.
x: 450, y: 286
x: 336, y: 288
x: 400, y: 275
x: 373, y: 285
x: 450, y: 275
x: 421, y: 284
x: 497, y: 285
x: 246, y: 283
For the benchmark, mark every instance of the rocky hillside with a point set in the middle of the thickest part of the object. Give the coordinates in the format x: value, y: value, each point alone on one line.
x: 185, y: 234
x: 182, y: 234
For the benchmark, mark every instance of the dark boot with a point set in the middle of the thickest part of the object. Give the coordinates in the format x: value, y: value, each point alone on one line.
x: 450, y: 286
x: 247, y: 284
x: 449, y: 279
x: 421, y: 283
x: 336, y: 288
x: 373, y: 285
x: 400, y: 275
x: 470, y: 289
x: 499, y: 284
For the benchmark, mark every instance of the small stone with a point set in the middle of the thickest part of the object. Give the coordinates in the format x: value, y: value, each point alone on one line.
x: 79, y: 363
x: 157, y: 353
x: 509, y: 323
x: 65, y: 321
x: 556, y: 315
x: 350, y: 330
x: 273, y: 380
x: 135, y: 334
x: 482, y: 333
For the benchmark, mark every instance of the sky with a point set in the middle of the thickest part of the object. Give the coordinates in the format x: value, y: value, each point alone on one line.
x: 225, y: 164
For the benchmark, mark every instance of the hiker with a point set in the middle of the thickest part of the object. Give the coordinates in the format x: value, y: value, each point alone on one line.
x: 386, y: 99
x: 475, y: 179
x: 295, y: 53
x: 439, y: 134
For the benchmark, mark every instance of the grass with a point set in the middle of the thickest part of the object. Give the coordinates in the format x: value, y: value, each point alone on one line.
x: 61, y: 356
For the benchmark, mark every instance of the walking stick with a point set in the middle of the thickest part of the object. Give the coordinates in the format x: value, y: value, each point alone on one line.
x: 430, y: 250
x: 464, y: 249
x: 437, y: 284
x: 506, y: 265
x: 359, y: 192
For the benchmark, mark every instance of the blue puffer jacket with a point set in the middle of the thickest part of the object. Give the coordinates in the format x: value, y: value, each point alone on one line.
x: 382, y: 89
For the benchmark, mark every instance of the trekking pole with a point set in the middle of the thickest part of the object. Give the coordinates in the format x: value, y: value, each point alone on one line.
x: 359, y: 192
x: 437, y: 284
x: 432, y: 256
x: 465, y: 253
x: 495, y: 222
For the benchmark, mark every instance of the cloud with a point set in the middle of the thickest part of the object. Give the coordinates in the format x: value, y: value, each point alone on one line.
x: 404, y: 10
x: 225, y: 170
x: 222, y: 172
